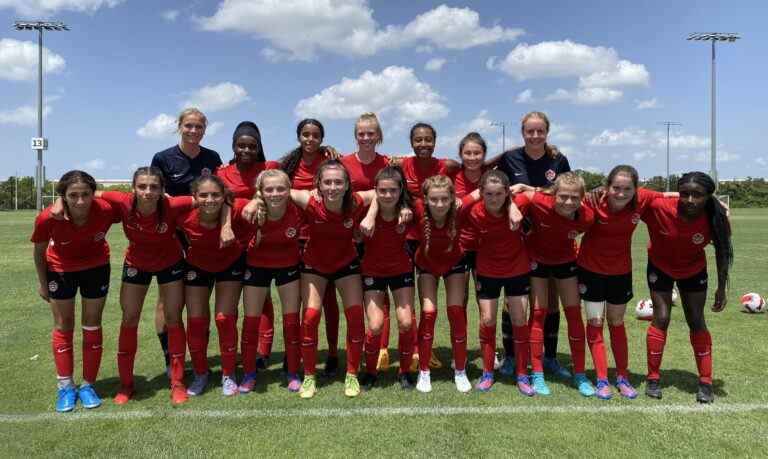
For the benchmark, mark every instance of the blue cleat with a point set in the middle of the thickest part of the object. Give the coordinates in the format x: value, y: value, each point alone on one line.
x: 507, y: 366
x: 551, y: 365
x: 539, y: 385
x: 66, y: 399
x: 88, y: 397
x: 582, y: 383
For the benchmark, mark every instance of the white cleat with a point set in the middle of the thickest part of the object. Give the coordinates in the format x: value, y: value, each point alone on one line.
x: 462, y: 382
x: 424, y: 383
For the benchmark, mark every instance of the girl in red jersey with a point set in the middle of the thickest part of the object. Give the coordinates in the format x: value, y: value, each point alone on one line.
x: 386, y: 265
x: 557, y: 219
x: 209, y: 265
x: 679, y: 230
x: 502, y: 261
x: 239, y: 177
x: 273, y: 254
x: 69, y: 255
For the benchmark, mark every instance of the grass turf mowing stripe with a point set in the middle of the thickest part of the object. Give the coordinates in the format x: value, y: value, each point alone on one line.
x: 382, y: 412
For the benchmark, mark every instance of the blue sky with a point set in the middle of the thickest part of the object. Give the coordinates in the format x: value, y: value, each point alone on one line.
x: 605, y: 72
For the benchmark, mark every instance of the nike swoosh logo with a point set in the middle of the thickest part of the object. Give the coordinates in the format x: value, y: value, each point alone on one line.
x: 64, y: 242
x: 407, y: 279
x: 656, y: 353
x: 544, y: 225
x: 175, y: 272
x: 61, y: 351
x: 291, y: 273
x: 236, y: 273
x: 602, y: 222
x: 177, y: 175
x: 518, y: 174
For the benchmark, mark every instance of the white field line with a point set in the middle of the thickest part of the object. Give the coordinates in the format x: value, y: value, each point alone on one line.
x: 380, y: 412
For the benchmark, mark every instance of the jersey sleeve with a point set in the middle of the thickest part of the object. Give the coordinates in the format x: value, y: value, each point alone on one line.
x: 158, y: 162
x: 473, y: 223
x: 564, y: 165
x: 41, y: 232
x: 180, y: 204
x: 523, y: 203
x: 271, y: 165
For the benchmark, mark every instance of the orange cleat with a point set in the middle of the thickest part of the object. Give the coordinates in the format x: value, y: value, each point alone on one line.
x: 123, y: 395
x: 178, y: 394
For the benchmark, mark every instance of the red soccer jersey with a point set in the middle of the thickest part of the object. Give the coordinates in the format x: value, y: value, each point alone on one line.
x: 606, y: 247
x: 676, y: 246
x: 463, y: 185
x: 152, y: 244
x: 279, y: 244
x: 385, y: 254
x: 330, y: 246
x: 204, y: 251
x: 553, y: 237
x: 241, y: 183
x: 500, y: 251
x: 444, y: 251
x: 416, y: 171
x: 304, y: 175
x: 74, y: 248
x: 362, y: 175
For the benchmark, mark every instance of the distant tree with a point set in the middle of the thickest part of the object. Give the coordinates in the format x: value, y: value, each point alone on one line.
x: 592, y: 180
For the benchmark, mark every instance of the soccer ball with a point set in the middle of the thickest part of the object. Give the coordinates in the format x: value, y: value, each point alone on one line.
x: 753, y: 303
x: 644, y: 310
x: 674, y: 295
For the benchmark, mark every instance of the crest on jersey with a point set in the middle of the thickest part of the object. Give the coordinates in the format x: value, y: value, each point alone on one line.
x: 52, y: 286
x: 131, y: 272
x: 369, y: 281
x: 635, y: 219
x: 290, y: 232
x: 478, y: 286
x: 697, y: 238
x: 205, y: 171
x: 400, y: 229
x: 99, y: 236
x: 550, y: 175
x: 534, y: 265
x: 573, y: 234
x: 652, y: 278
x: 162, y: 228
x: 348, y: 223
x: 247, y: 274
x: 191, y: 275
x: 582, y: 288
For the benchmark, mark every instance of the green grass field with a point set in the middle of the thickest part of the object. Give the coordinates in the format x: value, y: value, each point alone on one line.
x: 386, y: 421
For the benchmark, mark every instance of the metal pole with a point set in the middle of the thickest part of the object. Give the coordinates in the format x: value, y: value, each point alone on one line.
x: 713, y: 128
x: 16, y: 192
x: 39, y: 186
x: 668, y: 156
x: 503, y: 137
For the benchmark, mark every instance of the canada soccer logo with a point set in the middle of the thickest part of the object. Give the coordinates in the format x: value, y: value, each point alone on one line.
x: 573, y: 234
x: 52, y: 286
x: 652, y: 278
x: 534, y: 265
x: 635, y: 219
x: 369, y: 281
x: 550, y: 175
x: 348, y: 223
x: 582, y: 289
x: 162, y: 228
x: 192, y: 275
x: 400, y: 229
x: 697, y: 238
x: 290, y: 233
x: 205, y: 171
x: 247, y: 275
x: 131, y: 272
x: 99, y: 236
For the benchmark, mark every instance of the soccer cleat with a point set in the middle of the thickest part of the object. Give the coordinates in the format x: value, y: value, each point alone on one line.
x: 383, y: 363
x: 88, y: 397
x: 351, y: 385
x: 198, y: 385
x: 66, y: 399
x: 294, y: 383
x: 485, y: 383
x: 331, y: 367
x: 178, y: 394
x: 228, y: 386
x: 553, y: 366
x: 524, y: 386
x: 582, y: 383
x: 248, y: 383
x: 435, y: 363
x: 705, y: 393
x: 123, y: 395
x: 653, y: 388
x: 367, y: 381
x: 308, y: 387
x: 424, y: 383
x: 406, y: 381
x: 540, y: 385
x: 261, y: 363
x: 625, y: 388
x: 462, y: 382
x: 603, y: 390
x: 507, y: 366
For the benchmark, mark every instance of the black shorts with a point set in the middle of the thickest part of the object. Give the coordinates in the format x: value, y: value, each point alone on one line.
x: 659, y: 281
x: 562, y: 271
x: 133, y: 275
x: 614, y: 289
x: 196, y: 277
x: 351, y: 268
x: 382, y: 283
x: 459, y: 268
x: 489, y: 288
x: 262, y: 277
x: 470, y: 260
x: 93, y: 283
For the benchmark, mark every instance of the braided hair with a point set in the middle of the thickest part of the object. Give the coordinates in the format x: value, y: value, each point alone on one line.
x: 438, y: 181
x: 290, y: 162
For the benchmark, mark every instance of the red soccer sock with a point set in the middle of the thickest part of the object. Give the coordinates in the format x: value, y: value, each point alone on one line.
x: 655, y: 341
x: 266, y: 327
x: 309, y: 339
x: 331, y: 310
x: 63, y: 357
x: 385, y: 324
x: 197, y: 340
x: 372, y: 346
x: 458, y: 323
x: 405, y: 348
x: 355, y: 336
x: 92, y: 349
x: 488, y: 346
x: 536, y: 337
x: 597, y: 349
x: 414, y: 332
x: 701, y: 341
x: 576, y: 337
x: 249, y: 342
x: 126, y: 354
x: 426, y: 335
x: 227, y: 328
x: 291, y: 334
x: 521, y: 339
x: 177, y: 350
x: 619, y: 348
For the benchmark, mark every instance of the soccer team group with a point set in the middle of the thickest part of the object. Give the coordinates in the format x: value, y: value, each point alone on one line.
x: 316, y: 222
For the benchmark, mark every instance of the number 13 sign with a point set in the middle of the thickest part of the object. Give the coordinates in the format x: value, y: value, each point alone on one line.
x: 39, y: 143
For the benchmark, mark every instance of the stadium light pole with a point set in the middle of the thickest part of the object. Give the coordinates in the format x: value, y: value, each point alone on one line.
x: 714, y: 37
x: 668, y: 124
x: 503, y: 126
x: 39, y: 143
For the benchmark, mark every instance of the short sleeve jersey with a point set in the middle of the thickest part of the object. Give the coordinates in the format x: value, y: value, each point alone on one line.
x: 241, y: 183
x: 501, y: 252
x: 444, y: 251
x: 521, y: 168
x: 278, y: 246
x: 180, y: 170
x: 330, y: 246
x: 74, y: 248
x: 417, y: 170
x: 552, y: 240
x: 463, y: 185
x: 385, y: 254
x: 362, y: 175
x: 303, y: 177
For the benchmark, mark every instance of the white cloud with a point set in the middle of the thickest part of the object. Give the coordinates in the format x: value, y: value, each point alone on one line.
x: 761, y: 161
x: 170, y: 15
x: 426, y: 49
x: 94, y: 165
x: 217, y: 97
x: 302, y: 28
x: 624, y: 73
x: 394, y: 92
x: 684, y: 141
x: 525, y: 97
x: 48, y: 7
x: 435, y: 64
x: 162, y: 125
x: 214, y: 128
x: 586, y: 96
x: 481, y: 124
x: 19, y: 60
x: 643, y: 154
x: 560, y: 133
x: 23, y: 116
x: 647, y: 104
x: 651, y: 139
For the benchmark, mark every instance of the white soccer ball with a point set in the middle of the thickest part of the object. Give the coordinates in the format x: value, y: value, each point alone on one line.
x: 674, y: 295
x: 644, y: 310
x: 753, y: 303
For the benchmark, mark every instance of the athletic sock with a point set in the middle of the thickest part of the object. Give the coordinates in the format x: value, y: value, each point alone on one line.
x: 197, y: 340
x: 266, y: 327
x: 488, y: 346
x: 551, y: 329
x: 227, y: 327
x: 576, y: 338
x: 655, y: 341
x: 126, y: 353
x: 309, y: 339
x: 163, y: 338
x: 701, y: 341
x: 536, y: 338
x: 507, y: 334
x: 426, y: 335
x: 249, y: 342
x: 331, y: 310
x: 521, y: 349
x: 177, y: 350
x: 414, y: 332
x: 405, y: 348
x: 291, y: 338
x: 458, y: 324
x: 619, y: 348
x: 355, y: 335
x: 597, y: 349
x: 63, y: 357
x: 372, y: 346
x: 385, y: 325
x: 92, y: 349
